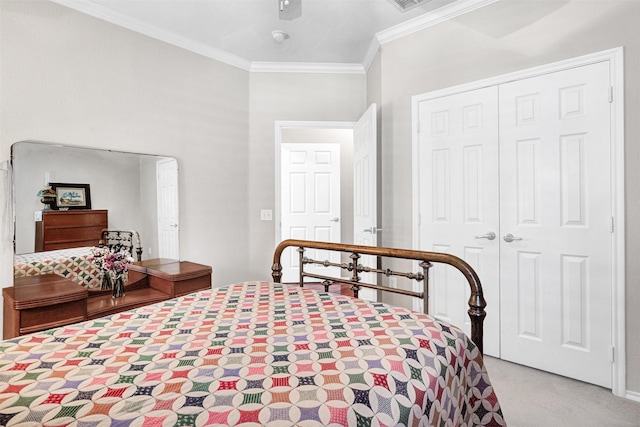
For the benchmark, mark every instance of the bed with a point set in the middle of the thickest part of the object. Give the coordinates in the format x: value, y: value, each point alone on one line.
x: 75, y: 263
x: 256, y: 353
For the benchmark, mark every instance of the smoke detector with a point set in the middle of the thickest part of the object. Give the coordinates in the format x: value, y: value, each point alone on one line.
x: 279, y: 36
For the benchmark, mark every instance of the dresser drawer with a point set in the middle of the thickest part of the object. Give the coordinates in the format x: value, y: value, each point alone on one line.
x: 74, y: 218
x: 70, y: 229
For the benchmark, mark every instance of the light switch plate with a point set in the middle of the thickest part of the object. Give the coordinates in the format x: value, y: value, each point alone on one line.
x: 266, y: 215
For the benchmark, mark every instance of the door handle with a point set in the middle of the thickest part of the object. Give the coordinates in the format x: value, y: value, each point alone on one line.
x: 510, y: 238
x: 336, y: 219
x: 173, y: 225
x: 372, y: 230
x: 489, y: 236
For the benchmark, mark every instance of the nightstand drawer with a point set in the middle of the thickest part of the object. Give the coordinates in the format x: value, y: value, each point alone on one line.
x: 36, y: 303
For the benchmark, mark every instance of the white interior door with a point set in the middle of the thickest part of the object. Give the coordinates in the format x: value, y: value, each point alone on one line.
x: 555, y: 190
x: 459, y: 203
x: 168, y: 214
x: 310, y: 194
x: 365, y: 192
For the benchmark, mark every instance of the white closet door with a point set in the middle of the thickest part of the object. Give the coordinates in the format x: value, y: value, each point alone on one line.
x: 556, y: 271
x: 458, y: 146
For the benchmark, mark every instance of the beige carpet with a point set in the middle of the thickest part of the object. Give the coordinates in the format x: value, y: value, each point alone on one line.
x: 534, y: 398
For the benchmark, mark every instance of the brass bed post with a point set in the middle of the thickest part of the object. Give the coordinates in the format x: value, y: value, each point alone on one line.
x: 276, y: 267
x: 354, y: 275
x: 426, y: 265
x: 301, y: 259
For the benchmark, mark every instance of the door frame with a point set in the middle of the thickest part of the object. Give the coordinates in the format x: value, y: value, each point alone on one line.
x: 279, y: 126
x: 615, y: 58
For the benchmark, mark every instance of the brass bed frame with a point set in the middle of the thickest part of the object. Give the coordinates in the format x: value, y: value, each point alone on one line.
x: 476, y: 302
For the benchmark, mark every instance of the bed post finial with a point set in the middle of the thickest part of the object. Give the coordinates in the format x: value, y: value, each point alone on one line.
x: 276, y: 267
x: 276, y: 272
x: 477, y: 314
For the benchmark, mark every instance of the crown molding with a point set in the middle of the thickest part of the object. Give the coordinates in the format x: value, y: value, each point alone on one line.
x: 374, y: 47
x: 306, y: 67
x: 430, y: 19
x: 421, y: 22
x: 109, y: 15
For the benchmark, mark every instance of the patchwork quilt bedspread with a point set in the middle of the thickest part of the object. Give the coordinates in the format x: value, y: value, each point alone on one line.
x: 73, y: 263
x: 252, y: 354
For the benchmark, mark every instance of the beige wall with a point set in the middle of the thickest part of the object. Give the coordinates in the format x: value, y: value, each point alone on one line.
x: 288, y: 97
x: 507, y: 36
x: 69, y: 78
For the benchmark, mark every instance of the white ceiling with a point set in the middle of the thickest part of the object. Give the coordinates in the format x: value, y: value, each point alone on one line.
x: 334, y: 33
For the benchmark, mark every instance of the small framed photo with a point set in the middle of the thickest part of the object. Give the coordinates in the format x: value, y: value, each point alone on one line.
x: 71, y: 196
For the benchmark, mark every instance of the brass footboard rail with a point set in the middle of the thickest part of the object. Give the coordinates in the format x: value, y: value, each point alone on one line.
x: 476, y: 302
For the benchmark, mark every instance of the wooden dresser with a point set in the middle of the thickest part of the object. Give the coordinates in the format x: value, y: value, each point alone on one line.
x: 69, y: 229
x: 36, y: 303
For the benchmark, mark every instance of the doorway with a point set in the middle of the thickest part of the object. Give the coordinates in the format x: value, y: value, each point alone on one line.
x: 532, y: 206
x: 310, y: 194
x: 314, y: 186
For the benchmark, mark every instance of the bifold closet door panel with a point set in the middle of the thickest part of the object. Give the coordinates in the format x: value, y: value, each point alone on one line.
x: 459, y: 201
x: 555, y: 216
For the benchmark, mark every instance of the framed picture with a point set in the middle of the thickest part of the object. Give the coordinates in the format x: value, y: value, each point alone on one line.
x: 71, y: 196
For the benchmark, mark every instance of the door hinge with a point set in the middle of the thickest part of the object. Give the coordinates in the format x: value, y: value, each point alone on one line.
x: 611, y: 225
x: 613, y: 354
x: 418, y: 127
x: 610, y: 93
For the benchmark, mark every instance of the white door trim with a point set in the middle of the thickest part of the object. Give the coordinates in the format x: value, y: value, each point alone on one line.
x: 279, y: 126
x: 615, y: 58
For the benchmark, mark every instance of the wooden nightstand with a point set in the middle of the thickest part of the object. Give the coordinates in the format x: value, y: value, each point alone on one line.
x: 37, y: 303
x: 178, y: 278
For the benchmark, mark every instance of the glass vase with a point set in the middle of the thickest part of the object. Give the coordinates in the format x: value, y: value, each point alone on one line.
x: 106, y: 281
x: 118, y: 287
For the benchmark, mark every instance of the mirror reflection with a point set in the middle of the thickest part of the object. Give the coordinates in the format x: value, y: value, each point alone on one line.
x: 75, y: 187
